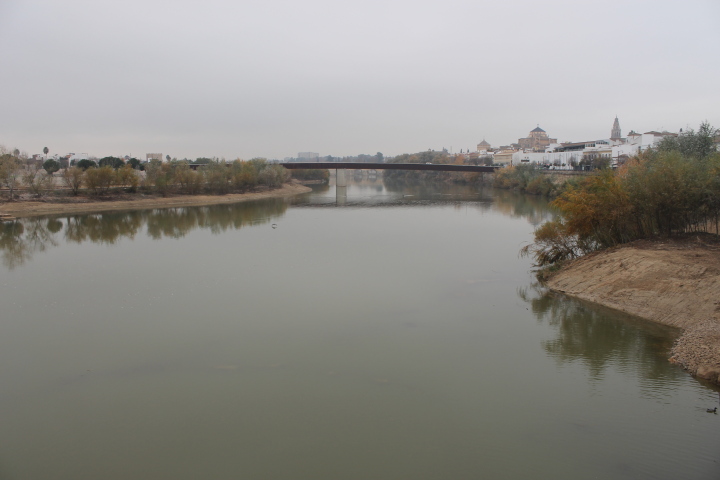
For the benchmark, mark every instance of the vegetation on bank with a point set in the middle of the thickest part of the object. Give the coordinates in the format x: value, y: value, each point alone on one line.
x: 214, y: 177
x: 669, y: 190
x: 526, y: 178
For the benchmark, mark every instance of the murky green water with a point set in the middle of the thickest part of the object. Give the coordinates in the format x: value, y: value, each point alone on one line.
x: 394, y: 336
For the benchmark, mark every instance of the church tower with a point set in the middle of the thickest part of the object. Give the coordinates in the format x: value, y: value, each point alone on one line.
x: 615, y: 134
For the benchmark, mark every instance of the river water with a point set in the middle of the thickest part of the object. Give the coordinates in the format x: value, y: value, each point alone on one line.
x: 392, y: 333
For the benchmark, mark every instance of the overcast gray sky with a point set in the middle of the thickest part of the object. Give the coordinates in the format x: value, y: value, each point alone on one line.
x: 274, y: 77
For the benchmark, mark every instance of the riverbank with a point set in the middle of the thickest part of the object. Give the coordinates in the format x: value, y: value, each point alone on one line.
x: 675, y: 282
x: 136, y: 201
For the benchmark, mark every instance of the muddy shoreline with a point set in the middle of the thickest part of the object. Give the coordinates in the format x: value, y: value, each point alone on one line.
x: 78, y: 205
x: 674, y: 282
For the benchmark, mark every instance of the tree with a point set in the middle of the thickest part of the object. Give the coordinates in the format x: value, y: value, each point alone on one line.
x: 73, y: 178
x: 37, y: 181
x: 45, y: 151
x: 167, y: 157
x: 51, y: 166
x: 99, y: 180
x: 127, y: 177
x: 159, y: 174
x: 273, y: 175
x: 84, y: 164
x: 217, y: 176
x: 135, y: 163
x: 10, y: 172
x: 190, y: 181
x: 698, y: 145
x: 113, y: 162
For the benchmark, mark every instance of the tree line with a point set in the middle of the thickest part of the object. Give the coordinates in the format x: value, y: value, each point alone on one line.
x: 527, y: 178
x: 173, y: 176
x: 668, y: 190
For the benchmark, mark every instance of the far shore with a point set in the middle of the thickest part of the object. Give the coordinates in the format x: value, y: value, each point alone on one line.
x: 675, y: 282
x: 136, y: 201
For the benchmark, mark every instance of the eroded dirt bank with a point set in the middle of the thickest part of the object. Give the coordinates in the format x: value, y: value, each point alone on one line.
x: 674, y: 282
x: 26, y: 208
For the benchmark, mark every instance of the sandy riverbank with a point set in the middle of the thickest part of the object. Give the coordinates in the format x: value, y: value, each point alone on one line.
x: 673, y: 282
x: 33, y: 208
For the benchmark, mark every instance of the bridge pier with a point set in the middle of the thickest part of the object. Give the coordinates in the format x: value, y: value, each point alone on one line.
x: 340, y: 195
x: 340, y: 180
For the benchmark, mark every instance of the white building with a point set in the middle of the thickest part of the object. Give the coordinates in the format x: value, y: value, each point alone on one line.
x: 78, y: 156
x: 564, y: 155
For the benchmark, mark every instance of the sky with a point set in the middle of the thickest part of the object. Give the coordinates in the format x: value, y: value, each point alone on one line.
x: 271, y: 78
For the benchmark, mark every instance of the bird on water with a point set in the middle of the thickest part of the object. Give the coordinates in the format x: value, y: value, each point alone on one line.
x: 712, y: 410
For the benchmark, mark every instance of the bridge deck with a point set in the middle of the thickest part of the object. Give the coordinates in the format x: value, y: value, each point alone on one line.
x: 388, y: 166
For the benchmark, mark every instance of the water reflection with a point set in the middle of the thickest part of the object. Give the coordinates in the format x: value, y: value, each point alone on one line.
x: 370, y: 191
x: 601, y: 338
x: 533, y: 208
x: 358, y: 343
x: 21, y: 239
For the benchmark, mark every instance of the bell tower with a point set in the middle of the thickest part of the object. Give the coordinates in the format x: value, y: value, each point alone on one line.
x: 615, y: 133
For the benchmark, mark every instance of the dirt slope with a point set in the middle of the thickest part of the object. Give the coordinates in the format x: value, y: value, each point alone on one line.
x: 674, y: 282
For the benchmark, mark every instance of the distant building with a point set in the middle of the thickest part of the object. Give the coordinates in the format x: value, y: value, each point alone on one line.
x: 309, y: 156
x: 77, y: 157
x: 503, y: 157
x: 579, y: 146
x: 633, y: 137
x: 153, y: 156
x: 536, y: 141
x: 615, y: 149
x: 484, y: 146
x: 615, y: 133
x: 539, y: 148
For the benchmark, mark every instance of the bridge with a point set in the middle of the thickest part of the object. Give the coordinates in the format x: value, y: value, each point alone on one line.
x: 342, y: 166
x: 438, y: 167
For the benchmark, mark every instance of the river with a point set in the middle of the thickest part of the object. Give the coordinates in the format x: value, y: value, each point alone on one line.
x: 392, y: 333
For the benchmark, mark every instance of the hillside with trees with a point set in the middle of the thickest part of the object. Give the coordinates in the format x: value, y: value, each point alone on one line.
x: 670, y: 190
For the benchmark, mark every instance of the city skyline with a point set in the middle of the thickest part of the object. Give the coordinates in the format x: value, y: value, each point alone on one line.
x: 243, y: 80
x: 480, y: 146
